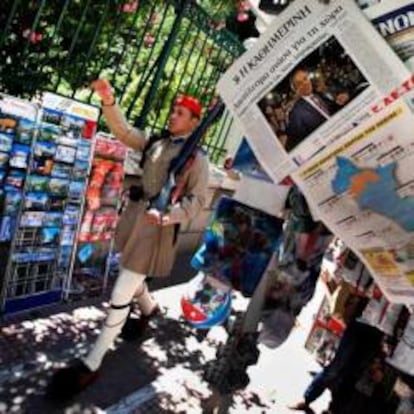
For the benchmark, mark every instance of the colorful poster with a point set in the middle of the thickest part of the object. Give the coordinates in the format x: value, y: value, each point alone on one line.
x: 238, y: 245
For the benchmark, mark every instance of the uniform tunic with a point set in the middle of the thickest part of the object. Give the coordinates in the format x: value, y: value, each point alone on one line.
x: 146, y: 248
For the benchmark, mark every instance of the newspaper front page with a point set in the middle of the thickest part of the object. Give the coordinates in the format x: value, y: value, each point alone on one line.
x: 316, y: 69
x: 394, y: 20
x: 363, y: 189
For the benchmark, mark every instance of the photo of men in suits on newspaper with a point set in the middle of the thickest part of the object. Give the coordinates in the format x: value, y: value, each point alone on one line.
x: 314, y: 91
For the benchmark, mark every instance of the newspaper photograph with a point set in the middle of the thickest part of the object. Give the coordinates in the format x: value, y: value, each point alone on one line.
x: 394, y: 20
x: 362, y: 188
x: 316, y: 69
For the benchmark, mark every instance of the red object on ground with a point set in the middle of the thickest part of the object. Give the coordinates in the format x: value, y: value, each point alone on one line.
x: 191, y: 313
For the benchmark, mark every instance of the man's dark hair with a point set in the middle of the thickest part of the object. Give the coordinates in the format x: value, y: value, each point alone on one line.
x: 292, y: 77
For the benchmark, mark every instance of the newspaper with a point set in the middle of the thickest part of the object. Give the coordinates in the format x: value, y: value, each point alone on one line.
x: 268, y: 197
x: 404, y: 91
x: 317, y: 69
x: 395, y: 22
x: 363, y: 189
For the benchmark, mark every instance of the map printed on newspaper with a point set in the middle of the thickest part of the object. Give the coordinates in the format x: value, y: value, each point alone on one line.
x: 363, y: 189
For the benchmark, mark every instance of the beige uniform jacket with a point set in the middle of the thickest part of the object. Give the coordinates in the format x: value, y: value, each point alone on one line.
x: 145, y: 248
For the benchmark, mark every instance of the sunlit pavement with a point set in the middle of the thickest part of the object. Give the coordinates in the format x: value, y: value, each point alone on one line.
x: 162, y: 374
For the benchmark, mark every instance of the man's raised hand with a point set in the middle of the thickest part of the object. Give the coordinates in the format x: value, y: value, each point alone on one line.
x: 103, y: 88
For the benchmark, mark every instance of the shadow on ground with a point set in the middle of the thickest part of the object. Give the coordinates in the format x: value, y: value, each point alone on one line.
x: 130, y: 367
x: 34, y: 345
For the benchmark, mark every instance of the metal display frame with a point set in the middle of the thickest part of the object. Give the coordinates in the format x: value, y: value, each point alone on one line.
x: 18, y: 109
x: 77, y: 270
x: 42, y: 252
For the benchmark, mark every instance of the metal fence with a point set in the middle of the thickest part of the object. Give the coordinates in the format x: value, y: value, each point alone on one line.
x: 150, y: 51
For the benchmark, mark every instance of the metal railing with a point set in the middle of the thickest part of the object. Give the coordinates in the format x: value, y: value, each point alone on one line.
x: 149, y: 50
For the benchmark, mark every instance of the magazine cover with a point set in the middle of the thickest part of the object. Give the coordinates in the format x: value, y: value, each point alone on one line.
x: 238, y: 245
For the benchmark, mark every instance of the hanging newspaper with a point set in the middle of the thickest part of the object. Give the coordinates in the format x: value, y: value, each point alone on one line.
x: 314, y: 73
x: 395, y: 22
x: 262, y: 195
x: 363, y: 189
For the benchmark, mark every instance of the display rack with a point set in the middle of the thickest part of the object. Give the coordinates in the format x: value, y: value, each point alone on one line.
x: 96, y: 237
x: 324, y: 335
x: 18, y: 120
x: 41, y: 256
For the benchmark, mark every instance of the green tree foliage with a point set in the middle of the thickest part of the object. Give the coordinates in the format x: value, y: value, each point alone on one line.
x: 45, y: 42
x: 62, y: 45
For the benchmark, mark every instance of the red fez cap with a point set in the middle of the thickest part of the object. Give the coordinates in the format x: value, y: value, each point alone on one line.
x: 190, y: 103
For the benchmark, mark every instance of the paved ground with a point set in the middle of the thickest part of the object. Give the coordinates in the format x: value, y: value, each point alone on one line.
x: 162, y: 374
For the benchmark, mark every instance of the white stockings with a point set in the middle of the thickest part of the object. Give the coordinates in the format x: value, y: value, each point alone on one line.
x: 127, y: 286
